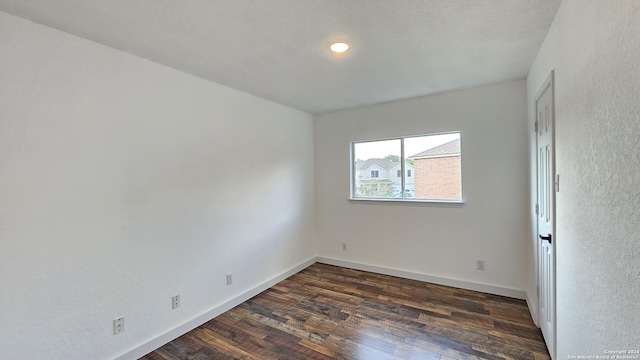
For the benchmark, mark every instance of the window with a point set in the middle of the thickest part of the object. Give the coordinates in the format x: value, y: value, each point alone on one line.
x: 431, y: 164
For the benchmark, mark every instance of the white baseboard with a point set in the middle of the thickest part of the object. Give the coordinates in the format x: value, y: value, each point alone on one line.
x: 193, y: 323
x: 532, y: 310
x: 196, y: 321
x: 491, y: 289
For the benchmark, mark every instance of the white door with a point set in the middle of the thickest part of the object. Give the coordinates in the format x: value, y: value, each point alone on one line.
x: 546, y: 212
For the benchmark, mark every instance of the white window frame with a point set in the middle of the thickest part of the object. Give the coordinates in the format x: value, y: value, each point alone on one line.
x: 403, y: 199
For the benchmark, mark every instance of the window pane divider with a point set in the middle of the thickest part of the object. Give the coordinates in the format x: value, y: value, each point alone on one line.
x: 402, y: 169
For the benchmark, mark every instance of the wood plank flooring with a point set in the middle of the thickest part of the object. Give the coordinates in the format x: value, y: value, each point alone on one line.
x: 330, y: 312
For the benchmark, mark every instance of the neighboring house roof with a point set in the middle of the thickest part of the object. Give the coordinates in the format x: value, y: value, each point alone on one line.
x: 382, y: 163
x: 450, y: 148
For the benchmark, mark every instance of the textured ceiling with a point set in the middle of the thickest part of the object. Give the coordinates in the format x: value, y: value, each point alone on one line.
x: 278, y: 49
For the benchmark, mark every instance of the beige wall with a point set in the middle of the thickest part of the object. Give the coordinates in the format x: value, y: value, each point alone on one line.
x: 593, y: 47
x: 434, y: 239
x: 124, y: 183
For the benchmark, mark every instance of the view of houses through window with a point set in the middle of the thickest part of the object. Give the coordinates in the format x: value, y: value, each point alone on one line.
x: 423, y: 167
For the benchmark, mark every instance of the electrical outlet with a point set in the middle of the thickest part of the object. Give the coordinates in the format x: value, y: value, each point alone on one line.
x: 118, y: 325
x: 480, y: 265
x: 175, y: 302
x: 229, y: 279
x: 344, y: 246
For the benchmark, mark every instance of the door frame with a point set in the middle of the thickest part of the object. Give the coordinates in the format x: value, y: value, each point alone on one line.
x: 549, y: 82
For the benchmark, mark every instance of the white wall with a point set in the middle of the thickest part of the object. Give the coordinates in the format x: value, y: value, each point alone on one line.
x: 436, y: 240
x: 124, y: 182
x: 594, y: 47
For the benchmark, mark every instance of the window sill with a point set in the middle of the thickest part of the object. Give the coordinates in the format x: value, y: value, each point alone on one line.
x: 416, y: 202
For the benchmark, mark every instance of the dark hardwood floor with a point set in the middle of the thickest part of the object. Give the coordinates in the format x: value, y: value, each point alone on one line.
x: 330, y: 312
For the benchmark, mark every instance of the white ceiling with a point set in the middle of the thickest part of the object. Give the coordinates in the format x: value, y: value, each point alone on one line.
x: 278, y: 49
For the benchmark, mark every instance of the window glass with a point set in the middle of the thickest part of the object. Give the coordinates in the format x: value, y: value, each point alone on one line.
x: 375, y: 164
x: 431, y: 164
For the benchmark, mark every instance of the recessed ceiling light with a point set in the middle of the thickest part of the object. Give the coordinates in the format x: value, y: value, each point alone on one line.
x: 339, y: 47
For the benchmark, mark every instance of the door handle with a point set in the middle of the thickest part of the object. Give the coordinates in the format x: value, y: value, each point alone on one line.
x: 548, y: 238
